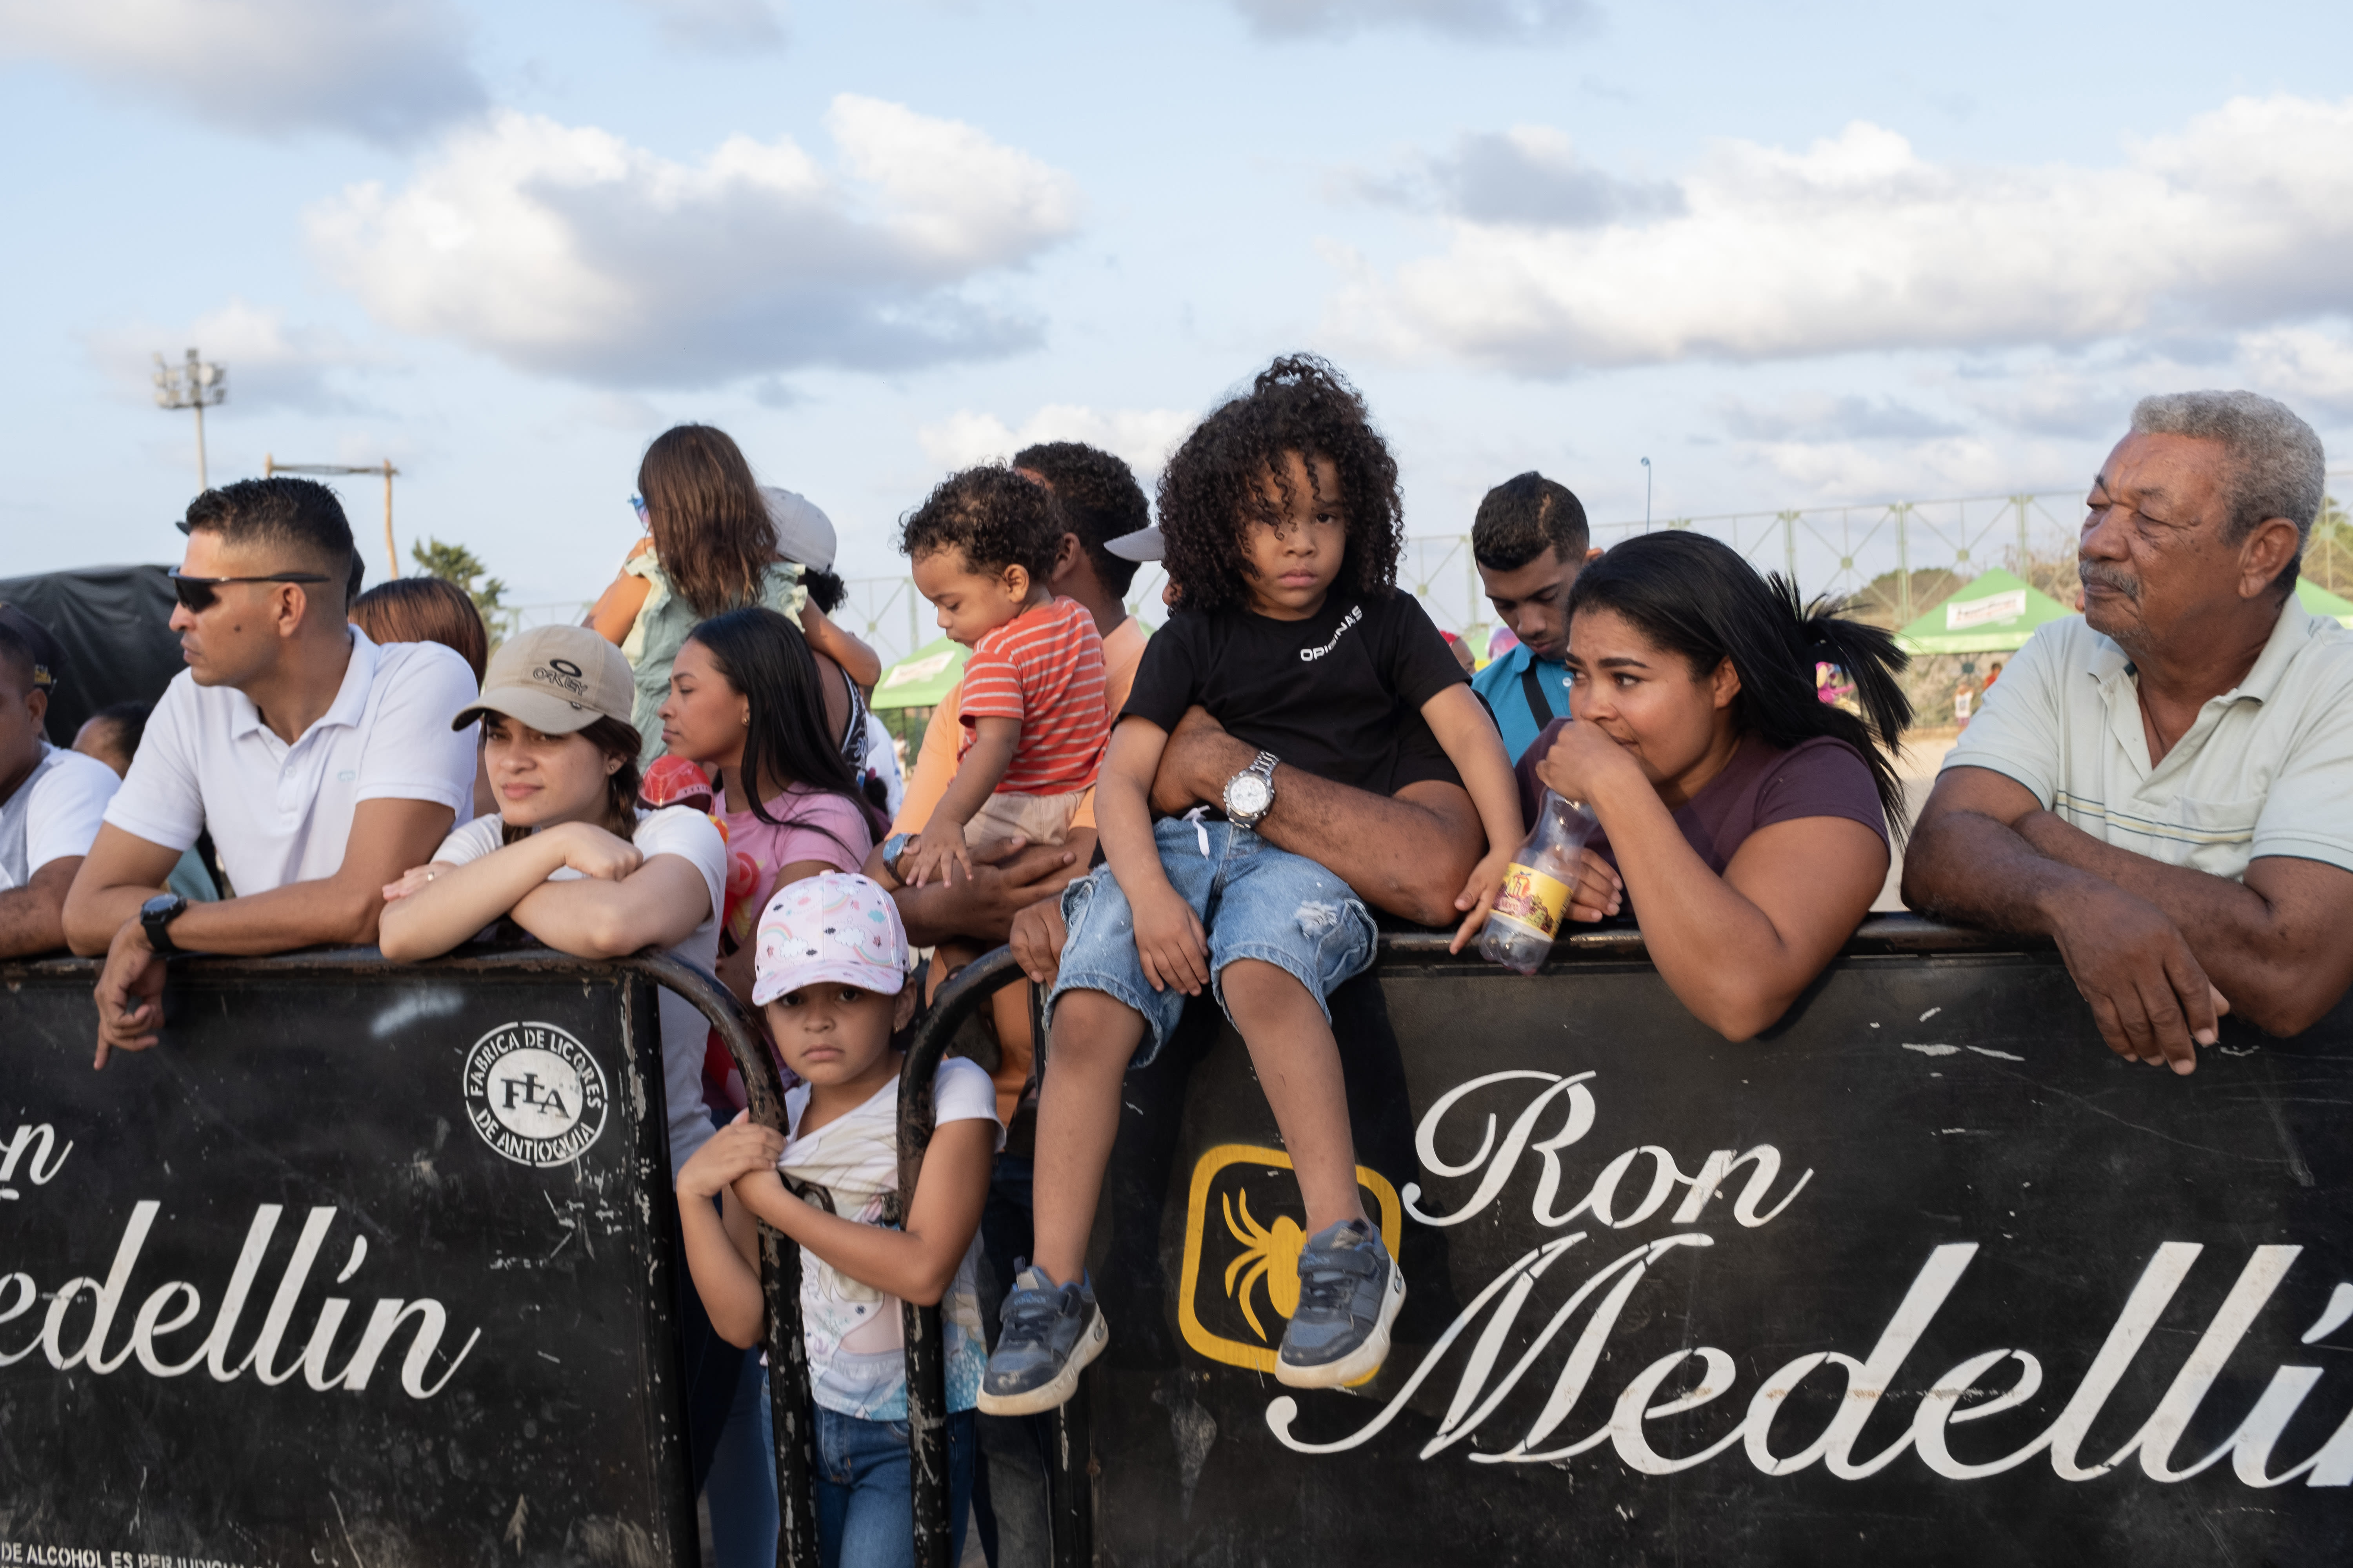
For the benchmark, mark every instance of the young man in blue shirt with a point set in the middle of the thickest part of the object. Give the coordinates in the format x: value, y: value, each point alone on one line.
x: 1530, y: 540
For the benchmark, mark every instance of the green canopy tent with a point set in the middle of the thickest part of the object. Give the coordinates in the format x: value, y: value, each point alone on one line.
x: 1994, y: 614
x: 2321, y: 602
x: 922, y: 679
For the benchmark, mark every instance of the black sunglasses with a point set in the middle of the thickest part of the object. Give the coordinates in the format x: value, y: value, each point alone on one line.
x: 197, y: 594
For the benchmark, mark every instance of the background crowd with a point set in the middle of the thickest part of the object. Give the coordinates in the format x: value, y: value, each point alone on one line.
x: 1228, y: 809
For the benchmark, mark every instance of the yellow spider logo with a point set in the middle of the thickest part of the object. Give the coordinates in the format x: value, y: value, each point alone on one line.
x: 1269, y: 1255
x: 1268, y: 1259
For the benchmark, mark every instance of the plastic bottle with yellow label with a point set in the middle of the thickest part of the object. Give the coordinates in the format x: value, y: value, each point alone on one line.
x: 1533, y: 902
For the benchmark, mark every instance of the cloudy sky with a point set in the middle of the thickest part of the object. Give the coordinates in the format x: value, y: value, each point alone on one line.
x: 1799, y: 254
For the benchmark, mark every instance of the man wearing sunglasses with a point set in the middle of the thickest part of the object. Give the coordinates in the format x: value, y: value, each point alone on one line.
x: 323, y: 764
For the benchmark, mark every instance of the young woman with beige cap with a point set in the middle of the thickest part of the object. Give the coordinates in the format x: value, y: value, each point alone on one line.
x: 580, y: 865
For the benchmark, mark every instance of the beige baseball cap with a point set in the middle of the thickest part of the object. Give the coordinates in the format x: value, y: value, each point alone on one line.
x: 558, y: 679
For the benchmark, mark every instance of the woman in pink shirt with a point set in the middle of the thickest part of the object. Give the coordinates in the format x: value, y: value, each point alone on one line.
x: 746, y: 707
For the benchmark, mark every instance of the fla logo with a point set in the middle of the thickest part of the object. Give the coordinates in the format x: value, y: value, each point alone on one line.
x: 1242, y: 1240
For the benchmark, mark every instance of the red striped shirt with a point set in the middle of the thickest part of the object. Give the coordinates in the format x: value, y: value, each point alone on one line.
x: 1044, y: 667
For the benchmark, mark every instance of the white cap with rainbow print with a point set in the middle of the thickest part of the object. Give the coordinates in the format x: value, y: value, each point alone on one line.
x: 834, y: 927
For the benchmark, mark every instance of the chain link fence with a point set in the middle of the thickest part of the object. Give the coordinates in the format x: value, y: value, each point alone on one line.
x: 1890, y: 561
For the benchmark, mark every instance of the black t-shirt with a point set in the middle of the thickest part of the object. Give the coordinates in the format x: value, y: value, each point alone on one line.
x: 1338, y: 694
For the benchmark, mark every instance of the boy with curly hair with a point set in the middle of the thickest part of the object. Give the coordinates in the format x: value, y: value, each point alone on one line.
x: 981, y: 546
x: 1281, y: 527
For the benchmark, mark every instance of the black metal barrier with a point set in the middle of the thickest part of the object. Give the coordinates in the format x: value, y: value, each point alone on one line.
x: 1925, y: 1276
x: 375, y: 1265
x: 485, y: 1135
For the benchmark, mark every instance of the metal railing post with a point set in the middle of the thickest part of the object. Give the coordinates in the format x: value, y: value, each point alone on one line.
x: 1070, y: 1463
x: 780, y: 1263
x: 927, y: 1384
x: 1070, y: 1459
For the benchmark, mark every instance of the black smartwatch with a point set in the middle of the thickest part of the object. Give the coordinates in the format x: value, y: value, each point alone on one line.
x: 155, y: 918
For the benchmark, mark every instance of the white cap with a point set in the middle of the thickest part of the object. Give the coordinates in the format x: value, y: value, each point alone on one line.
x: 1143, y: 544
x: 803, y: 533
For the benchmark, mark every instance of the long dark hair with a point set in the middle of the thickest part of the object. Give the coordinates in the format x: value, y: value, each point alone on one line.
x: 1213, y: 488
x: 1694, y: 596
x: 767, y: 660
x: 613, y: 738
x: 709, y: 520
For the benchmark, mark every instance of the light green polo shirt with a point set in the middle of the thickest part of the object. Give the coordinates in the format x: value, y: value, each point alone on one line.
x: 2267, y: 768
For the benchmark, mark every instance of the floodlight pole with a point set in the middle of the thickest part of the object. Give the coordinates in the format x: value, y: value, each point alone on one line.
x: 192, y: 384
x: 270, y: 465
x: 1646, y: 494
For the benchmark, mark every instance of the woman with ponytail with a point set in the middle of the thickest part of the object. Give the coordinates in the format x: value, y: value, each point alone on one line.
x: 1745, y: 820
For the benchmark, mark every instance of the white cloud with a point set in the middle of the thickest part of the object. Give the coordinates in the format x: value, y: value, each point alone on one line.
x: 1506, y: 19
x: 720, y: 27
x: 1821, y: 417
x: 564, y: 250
x: 384, y: 69
x: 2243, y: 218
x: 1530, y: 176
x: 1143, y: 438
x: 2309, y: 368
x: 270, y: 363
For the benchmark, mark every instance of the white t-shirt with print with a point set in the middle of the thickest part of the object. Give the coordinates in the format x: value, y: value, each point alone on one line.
x: 281, y: 814
x: 54, y: 812
x: 692, y: 837
x: 857, y: 1349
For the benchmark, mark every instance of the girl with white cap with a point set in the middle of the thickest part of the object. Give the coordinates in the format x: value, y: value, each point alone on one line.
x: 832, y: 967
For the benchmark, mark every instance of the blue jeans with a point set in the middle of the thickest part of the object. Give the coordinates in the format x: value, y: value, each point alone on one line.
x: 865, y: 1512
x: 1254, y: 901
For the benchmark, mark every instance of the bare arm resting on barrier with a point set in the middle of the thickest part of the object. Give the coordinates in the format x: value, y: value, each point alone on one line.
x: 124, y: 870
x: 1408, y: 854
x: 2154, y: 948
x: 33, y: 916
x: 622, y: 901
x: 1738, y: 949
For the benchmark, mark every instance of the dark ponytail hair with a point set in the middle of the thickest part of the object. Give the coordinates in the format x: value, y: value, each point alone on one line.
x: 1694, y: 596
x: 613, y: 738
x: 767, y: 660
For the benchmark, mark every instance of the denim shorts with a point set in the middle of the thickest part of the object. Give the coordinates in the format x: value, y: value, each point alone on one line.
x: 1254, y: 901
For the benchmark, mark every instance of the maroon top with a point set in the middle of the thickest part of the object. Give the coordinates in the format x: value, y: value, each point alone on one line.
x: 1821, y: 776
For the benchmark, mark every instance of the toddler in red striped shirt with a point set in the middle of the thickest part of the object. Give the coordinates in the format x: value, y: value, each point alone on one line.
x: 982, y: 545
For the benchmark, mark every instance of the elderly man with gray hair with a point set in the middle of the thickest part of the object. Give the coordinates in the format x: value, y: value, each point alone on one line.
x: 2164, y: 786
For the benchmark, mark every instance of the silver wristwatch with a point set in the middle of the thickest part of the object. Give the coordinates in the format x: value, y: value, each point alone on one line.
x: 1250, y: 793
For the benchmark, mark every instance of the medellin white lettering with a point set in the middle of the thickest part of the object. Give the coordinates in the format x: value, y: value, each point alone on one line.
x: 173, y: 1306
x: 1562, y: 1112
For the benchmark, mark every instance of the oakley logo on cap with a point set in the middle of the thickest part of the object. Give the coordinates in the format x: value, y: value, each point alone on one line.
x: 563, y: 674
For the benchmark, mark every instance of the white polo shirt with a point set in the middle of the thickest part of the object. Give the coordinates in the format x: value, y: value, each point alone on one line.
x: 2265, y: 770
x: 54, y: 813
x: 281, y: 814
